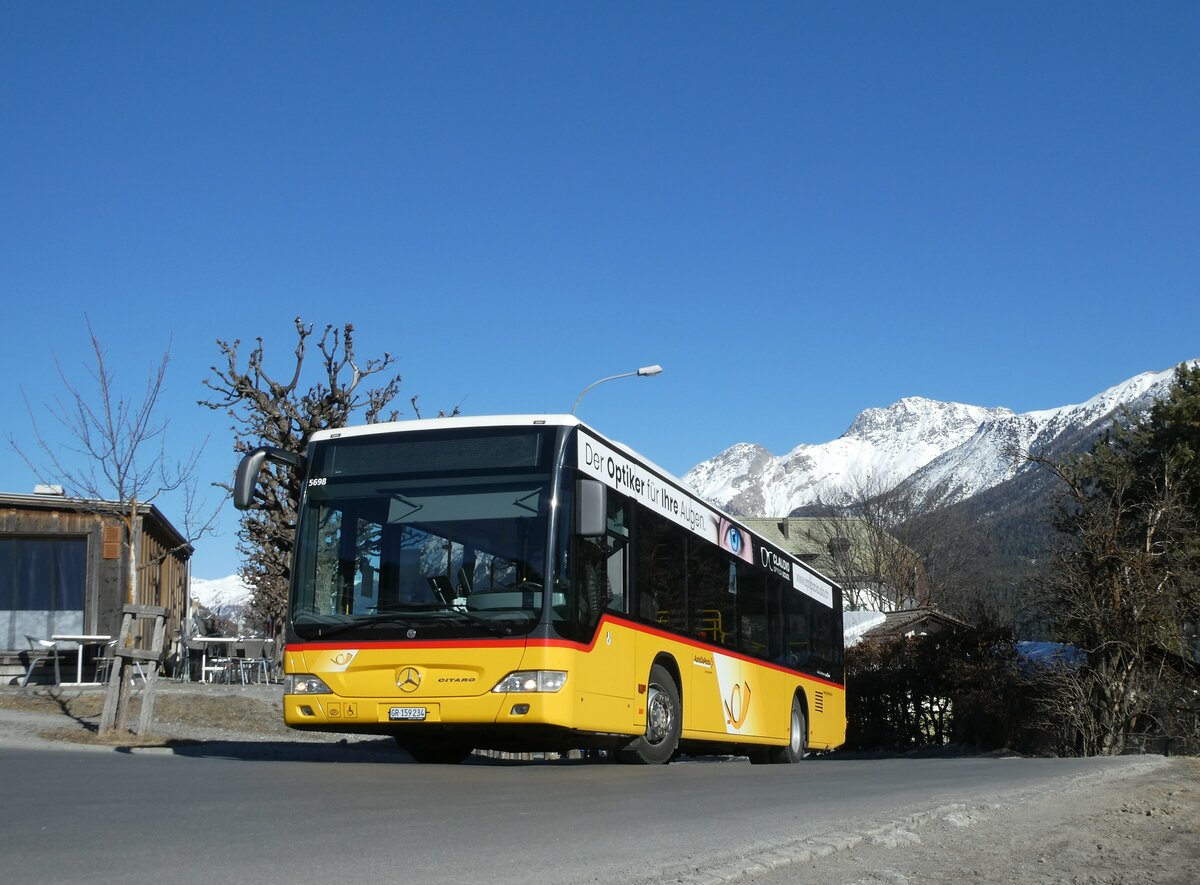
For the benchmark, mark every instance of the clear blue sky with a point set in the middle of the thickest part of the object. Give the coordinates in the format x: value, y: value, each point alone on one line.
x: 800, y: 210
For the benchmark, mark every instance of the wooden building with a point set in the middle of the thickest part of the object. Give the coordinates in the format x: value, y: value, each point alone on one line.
x: 63, y: 567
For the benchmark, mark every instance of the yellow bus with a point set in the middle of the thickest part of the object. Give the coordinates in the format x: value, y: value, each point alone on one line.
x: 524, y: 583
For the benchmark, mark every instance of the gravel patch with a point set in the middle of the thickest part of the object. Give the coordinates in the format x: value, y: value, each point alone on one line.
x: 250, y: 717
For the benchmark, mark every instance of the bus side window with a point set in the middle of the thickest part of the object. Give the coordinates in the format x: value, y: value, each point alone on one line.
x: 615, y: 569
x: 618, y: 544
x: 797, y: 628
x: 822, y: 635
x: 712, y: 593
x: 596, y: 566
x: 591, y: 592
x: 660, y: 571
x: 754, y: 636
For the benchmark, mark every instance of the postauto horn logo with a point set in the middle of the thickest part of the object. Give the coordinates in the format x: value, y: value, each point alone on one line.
x: 737, y: 705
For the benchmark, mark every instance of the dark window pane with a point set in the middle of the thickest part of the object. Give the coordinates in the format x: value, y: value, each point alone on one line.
x: 753, y: 621
x: 430, y: 452
x: 712, y: 591
x: 8, y: 573
x: 71, y: 559
x: 35, y: 578
x: 797, y: 627
x: 660, y: 571
x: 43, y: 574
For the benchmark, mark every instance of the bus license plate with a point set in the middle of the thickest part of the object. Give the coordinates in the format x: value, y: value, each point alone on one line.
x: 407, y: 713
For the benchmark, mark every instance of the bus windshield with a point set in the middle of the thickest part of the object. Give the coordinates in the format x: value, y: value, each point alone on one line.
x: 418, y: 554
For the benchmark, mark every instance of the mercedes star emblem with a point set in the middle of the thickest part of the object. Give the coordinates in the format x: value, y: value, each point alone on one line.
x: 409, y: 679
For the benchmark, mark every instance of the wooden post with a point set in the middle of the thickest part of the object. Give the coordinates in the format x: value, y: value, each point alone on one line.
x: 114, y: 695
x: 120, y: 679
x: 147, y: 715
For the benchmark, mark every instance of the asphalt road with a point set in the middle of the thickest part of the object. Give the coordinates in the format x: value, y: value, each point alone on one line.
x: 223, y: 813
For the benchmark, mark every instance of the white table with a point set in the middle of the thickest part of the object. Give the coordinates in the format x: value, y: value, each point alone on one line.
x: 205, y: 642
x: 81, y: 639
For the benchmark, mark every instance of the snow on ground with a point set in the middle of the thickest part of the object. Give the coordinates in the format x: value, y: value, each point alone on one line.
x: 856, y: 624
x: 1051, y: 653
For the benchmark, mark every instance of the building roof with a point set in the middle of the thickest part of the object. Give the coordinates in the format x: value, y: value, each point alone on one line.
x: 914, y: 622
x: 57, y: 502
x: 856, y: 625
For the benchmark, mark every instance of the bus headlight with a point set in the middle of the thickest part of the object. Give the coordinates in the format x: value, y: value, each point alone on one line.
x: 305, y: 683
x: 532, y: 680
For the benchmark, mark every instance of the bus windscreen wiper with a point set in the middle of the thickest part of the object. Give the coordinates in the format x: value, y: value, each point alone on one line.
x: 492, y: 627
x: 414, y: 619
x: 379, y: 620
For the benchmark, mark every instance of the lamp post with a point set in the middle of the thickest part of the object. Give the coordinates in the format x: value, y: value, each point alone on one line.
x: 644, y: 371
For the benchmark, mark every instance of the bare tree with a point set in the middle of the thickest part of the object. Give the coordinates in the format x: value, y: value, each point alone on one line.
x: 275, y: 410
x: 116, y: 454
x: 889, y: 547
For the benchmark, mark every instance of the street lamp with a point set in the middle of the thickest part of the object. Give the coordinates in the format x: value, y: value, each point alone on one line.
x: 644, y: 371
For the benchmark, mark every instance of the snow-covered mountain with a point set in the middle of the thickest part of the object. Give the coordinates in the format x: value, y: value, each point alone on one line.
x: 962, y: 450
x: 221, y: 594
x: 882, y: 448
x: 987, y: 459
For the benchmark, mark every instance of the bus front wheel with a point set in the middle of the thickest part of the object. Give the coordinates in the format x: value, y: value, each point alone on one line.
x: 663, y: 722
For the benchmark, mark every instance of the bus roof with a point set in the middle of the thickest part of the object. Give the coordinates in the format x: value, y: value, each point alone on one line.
x: 455, y: 423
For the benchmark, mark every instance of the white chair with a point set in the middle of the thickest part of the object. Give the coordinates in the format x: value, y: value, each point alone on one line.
x: 42, y: 651
x: 269, y: 662
x: 220, y: 664
x: 252, y: 661
x: 104, y: 661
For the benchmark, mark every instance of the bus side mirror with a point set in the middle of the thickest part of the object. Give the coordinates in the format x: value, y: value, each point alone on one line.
x: 245, y: 481
x: 591, y: 508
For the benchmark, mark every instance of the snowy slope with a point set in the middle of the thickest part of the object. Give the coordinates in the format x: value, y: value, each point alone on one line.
x: 881, y: 448
x: 993, y: 453
x: 221, y: 594
x: 959, y: 449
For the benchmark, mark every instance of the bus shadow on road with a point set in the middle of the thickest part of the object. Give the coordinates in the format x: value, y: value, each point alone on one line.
x: 379, y: 752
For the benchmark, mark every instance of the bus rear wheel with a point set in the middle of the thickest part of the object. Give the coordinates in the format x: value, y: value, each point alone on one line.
x: 793, y: 751
x: 663, y: 722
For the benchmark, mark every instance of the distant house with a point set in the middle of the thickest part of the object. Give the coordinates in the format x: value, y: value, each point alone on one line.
x: 63, y: 570
x: 922, y: 621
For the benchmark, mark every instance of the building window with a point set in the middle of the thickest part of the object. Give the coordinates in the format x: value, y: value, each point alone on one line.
x: 43, y: 574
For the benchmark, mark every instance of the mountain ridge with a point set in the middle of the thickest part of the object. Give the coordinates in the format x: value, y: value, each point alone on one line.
x: 951, y: 451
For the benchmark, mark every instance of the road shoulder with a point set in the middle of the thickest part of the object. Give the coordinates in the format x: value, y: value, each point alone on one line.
x: 1122, y: 827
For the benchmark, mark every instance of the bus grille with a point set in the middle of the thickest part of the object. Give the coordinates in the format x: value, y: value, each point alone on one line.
x: 819, y: 701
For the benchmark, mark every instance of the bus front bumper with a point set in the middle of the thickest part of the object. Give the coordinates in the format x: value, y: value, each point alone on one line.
x: 329, y: 712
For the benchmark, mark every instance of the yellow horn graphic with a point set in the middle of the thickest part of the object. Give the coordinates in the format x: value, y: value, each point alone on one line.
x: 737, y: 720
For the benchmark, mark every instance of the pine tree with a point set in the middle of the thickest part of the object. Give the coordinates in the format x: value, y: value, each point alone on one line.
x: 1125, y: 584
